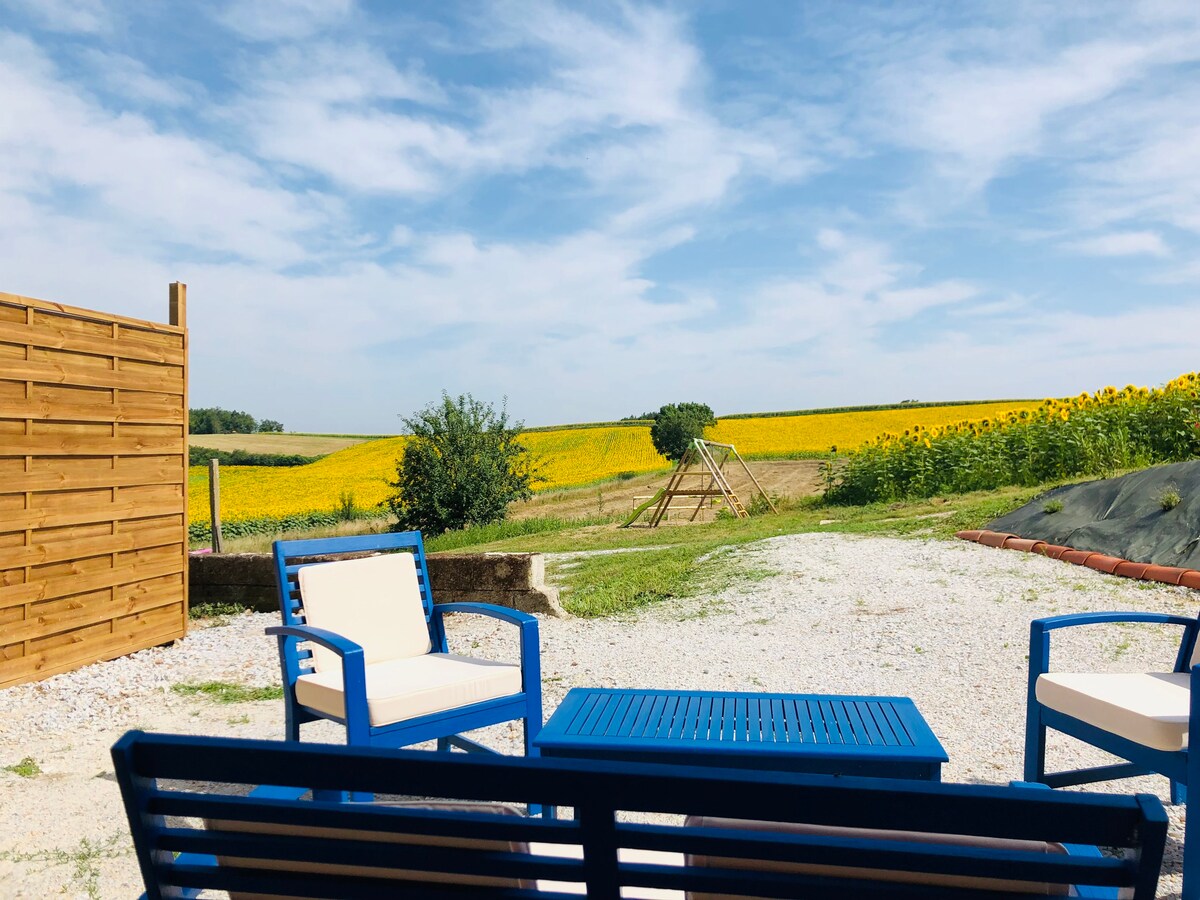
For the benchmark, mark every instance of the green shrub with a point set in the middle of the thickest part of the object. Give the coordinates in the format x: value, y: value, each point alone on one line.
x: 462, y: 466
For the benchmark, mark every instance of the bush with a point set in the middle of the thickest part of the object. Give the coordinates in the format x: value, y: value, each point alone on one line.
x: 461, y: 467
x: 270, y: 425
x: 676, y: 425
x: 199, y: 456
x: 214, y: 420
x: 1092, y: 434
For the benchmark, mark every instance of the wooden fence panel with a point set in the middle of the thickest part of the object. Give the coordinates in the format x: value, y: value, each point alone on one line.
x: 93, y: 485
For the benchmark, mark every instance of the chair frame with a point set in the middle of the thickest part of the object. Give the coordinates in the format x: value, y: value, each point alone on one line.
x: 1179, y: 766
x: 444, y: 727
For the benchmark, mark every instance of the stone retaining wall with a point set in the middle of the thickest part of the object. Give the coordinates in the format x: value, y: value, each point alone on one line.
x: 513, y: 580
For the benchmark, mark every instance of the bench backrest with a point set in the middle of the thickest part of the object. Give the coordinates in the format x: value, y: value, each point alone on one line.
x: 273, y: 843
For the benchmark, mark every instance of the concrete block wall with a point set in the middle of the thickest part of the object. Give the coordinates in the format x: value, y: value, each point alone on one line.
x: 513, y: 580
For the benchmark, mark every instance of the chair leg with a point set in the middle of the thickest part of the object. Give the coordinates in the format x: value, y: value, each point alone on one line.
x: 291, y: 727
x: 1191, y: 860
x: 443, y: 744
x: 1035, y: 743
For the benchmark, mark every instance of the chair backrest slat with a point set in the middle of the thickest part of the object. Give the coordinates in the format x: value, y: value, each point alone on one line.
x: 636, y: 807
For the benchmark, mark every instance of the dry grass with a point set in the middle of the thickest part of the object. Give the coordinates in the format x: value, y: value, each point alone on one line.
x: 301, y: 444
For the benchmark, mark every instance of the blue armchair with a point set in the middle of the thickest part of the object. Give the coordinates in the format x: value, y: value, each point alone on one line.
x: 1149, y: 719
x: 362, y: 643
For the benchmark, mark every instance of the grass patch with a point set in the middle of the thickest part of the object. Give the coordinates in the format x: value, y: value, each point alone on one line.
x: 83, y: 860
x: 506, y: 530
x: 215, y: 610
x: 227, y: 692
x: 696, y: 558
x: 26, y: 768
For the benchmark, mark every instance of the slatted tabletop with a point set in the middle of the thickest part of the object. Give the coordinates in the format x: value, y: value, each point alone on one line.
x: 875, y: 736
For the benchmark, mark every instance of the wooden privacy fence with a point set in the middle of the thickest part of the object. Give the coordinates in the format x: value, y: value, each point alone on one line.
x: 93, y: 485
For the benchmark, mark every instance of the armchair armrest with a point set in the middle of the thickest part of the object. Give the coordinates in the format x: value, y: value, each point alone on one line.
x: 486, y: 609
x: 1039, y: 635
x: 328, y: 639
x: 1067, y: 621
x: 531, y: 660
x: 354, y: 668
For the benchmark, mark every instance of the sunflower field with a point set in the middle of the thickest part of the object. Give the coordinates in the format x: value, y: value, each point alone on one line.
x: 1092, y: 434
x: 816, y: 433
x: 354, y: 482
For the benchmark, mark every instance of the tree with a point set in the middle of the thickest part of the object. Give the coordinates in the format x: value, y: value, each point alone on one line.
x: 214, y: 420
x: 676, y: 425
x: 270, y: 425
x: 462, y: 466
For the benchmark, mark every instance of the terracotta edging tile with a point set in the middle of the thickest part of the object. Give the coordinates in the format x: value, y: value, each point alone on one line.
x: 1128, y: 569
x: 1165, y: 574
x: 1078, y: 557
x: 994, y: 538
x: 1054, y: 551
x: 1103, y: 563
x: 1028, y: 545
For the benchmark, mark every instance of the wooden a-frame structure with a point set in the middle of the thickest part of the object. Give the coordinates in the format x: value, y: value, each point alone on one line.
x: 703, y: 460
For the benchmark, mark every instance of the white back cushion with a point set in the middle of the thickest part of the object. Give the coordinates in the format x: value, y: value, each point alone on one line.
x: 374, y: 601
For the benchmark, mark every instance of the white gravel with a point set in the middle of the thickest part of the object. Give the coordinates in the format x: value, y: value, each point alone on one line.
x: 943, y: 622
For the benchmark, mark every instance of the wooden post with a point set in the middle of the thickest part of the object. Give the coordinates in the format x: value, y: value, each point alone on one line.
x: 177, y: 316
x: 178, y: 304
x: 214, y: 502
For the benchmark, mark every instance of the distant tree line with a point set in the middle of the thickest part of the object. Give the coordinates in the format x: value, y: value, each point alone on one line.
x: 214, y: 420
x: 199, y: 456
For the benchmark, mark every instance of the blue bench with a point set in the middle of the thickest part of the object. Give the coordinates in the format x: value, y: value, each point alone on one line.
x: 683, y: 830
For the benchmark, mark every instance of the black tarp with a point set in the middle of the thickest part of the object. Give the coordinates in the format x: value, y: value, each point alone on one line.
x: 1122, y: 517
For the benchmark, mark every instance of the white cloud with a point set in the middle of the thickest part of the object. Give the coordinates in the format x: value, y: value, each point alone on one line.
x: 148, y: 186
x: 67, y: 16
x: 130, y: 79
x: 1123, y: 243
x: 978, y: 115
x: 279, y: 20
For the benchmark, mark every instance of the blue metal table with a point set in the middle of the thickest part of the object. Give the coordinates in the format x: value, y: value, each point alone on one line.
x: 883, y: 737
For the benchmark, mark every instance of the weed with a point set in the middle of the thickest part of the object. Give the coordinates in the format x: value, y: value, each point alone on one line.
x: 243, y: 719
x: 85, y: 873
x: 215, y: 610
x: 226, y: 692
x: 1050, y: 507
x: 1169, y: 498
x: 26, y: 768
x: 918, y: 649
x: 347, y: 508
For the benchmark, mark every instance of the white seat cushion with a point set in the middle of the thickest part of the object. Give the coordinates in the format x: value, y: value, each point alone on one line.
x: 1150, y: 708
x: 406, y: 688
x: 374, y: 601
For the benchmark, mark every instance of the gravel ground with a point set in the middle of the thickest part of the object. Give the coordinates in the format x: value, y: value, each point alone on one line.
x: 945, y: 623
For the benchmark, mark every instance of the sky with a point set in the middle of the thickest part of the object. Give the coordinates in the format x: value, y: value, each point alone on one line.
x: 589, y: 210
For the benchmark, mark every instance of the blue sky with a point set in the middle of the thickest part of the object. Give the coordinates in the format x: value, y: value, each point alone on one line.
x: 596, y: 209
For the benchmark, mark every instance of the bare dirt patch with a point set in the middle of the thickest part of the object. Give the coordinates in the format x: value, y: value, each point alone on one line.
x: 780, y: 478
